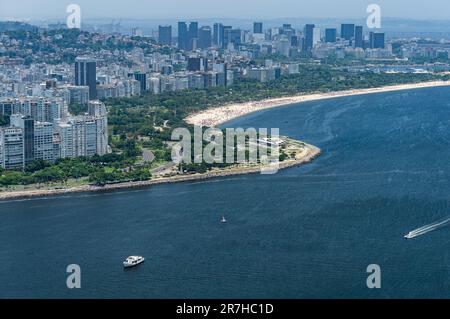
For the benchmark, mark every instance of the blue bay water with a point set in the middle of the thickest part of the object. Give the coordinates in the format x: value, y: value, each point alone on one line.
x: 306, y: 232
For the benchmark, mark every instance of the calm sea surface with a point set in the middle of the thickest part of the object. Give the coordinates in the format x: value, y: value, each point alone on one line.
x: 307, y: 232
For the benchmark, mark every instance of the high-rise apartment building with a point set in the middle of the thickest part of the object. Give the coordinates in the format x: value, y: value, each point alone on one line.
x: 78, y: 94
x: 26, y: 123
x: 43, y: 141
x: 85, y: 135
x: 98, y: 112
x: 12, y: 148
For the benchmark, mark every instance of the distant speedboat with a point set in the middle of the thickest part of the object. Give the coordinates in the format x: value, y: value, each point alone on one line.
x: 223, y: 221
x: 133, y: 261
x: 426, y: 229
x: 410, y: 235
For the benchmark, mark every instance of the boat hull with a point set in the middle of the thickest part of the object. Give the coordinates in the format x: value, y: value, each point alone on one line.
x: 127, y: 265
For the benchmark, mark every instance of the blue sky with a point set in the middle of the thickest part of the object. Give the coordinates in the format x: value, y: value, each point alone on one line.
x: 252, y: 9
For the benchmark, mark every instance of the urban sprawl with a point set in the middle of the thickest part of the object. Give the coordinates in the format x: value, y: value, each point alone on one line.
x: 39, y: 85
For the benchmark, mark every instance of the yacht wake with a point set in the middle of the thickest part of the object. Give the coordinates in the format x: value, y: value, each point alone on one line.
x: 428, y: 228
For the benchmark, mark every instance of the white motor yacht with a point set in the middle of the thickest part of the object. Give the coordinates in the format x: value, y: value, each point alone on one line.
x: 133, y: 261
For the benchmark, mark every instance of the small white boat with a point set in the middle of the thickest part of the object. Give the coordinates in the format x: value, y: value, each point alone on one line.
x: 410, y: 236
x: 223, y: 221
x: 133, y: 261
x: 426, y: 229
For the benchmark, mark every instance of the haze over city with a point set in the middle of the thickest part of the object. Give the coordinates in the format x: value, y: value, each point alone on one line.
x: 178, y: 9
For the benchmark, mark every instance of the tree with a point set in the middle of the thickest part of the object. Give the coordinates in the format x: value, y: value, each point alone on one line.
x: 11, y: 178
x: 37, y: 165
x: 4, y: 120
x: 139, y: 174
x: 131, y: 148
x: 49, y: 174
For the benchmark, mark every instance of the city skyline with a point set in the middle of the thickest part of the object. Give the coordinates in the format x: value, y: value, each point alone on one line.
x: 198, y: 9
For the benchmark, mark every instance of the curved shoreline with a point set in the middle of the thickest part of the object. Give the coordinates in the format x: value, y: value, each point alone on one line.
x: 216, y: 116
x: 312, y: 153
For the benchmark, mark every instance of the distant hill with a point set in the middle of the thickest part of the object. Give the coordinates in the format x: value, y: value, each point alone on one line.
x: 16, y: 26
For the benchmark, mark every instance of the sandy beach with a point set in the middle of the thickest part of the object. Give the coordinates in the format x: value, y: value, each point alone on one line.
x: 218, y: 115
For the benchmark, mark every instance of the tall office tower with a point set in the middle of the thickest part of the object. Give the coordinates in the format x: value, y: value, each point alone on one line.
x: 287, y: 30
x: 12, y: 106
x: 226, y: 30
x: 193, y: 35
x: 26, y: 123
x: 283, y: 46
x: 197, y: 64
x: 376, y: 40
x: 43, y: 141
x: 11, y: 148
x: 232, y: 36
x: 236, y: 37
x: 257, y: 27
x: 142, y: 79
x: 165, y: 35
x: 187, y: 37
x: 7, y: 107
x: 218, y: 34
x: 347, y: 31
x: 330, y: 35
x: 86, y: 75
x: 317, y: 36
x: 182, y: 35
x: 308, y: 36
x: 221, y: 77
x: 204, y: 38
x: 359, y: 41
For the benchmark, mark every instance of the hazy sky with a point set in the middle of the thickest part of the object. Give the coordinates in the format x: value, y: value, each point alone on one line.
x: 252, y: 9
